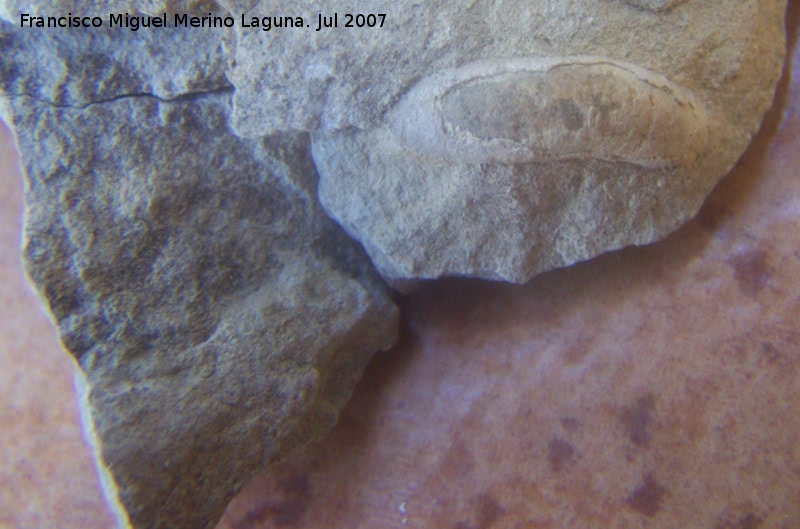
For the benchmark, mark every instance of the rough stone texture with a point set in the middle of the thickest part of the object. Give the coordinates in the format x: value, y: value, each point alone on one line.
x: 500, y: 139
x: 79, y: 67
x: 302, y: 79
x: 220, y: 318
x: 424, y: 209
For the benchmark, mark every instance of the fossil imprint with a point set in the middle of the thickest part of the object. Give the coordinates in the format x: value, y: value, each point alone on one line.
x: 547, y: 109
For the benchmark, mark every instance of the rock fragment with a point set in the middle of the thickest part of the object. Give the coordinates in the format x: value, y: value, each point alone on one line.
x: 219, y: 318
x: 503, y: 158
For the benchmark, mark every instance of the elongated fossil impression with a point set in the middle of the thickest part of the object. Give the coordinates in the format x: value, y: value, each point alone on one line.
x: 536, y: 110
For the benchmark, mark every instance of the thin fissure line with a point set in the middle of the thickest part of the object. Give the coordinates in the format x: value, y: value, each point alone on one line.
x: 178, y: 98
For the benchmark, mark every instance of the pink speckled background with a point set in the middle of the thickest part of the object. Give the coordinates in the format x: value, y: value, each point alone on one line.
x: 47, y: 477
x: 655, y: 387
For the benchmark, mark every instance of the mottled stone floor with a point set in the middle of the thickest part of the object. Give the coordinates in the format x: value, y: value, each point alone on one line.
x: 654, y: 387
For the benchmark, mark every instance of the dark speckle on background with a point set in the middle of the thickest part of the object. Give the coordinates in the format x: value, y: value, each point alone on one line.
x: 559, y: 453
x: 747, y: 521
x: 751, y: 271
x: 636, y: 419
x: 488, y: 511
x: 283, y: 508
x: 646, y: 499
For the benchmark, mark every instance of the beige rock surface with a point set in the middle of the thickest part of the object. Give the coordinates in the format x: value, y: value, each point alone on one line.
x: 606, y: 126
